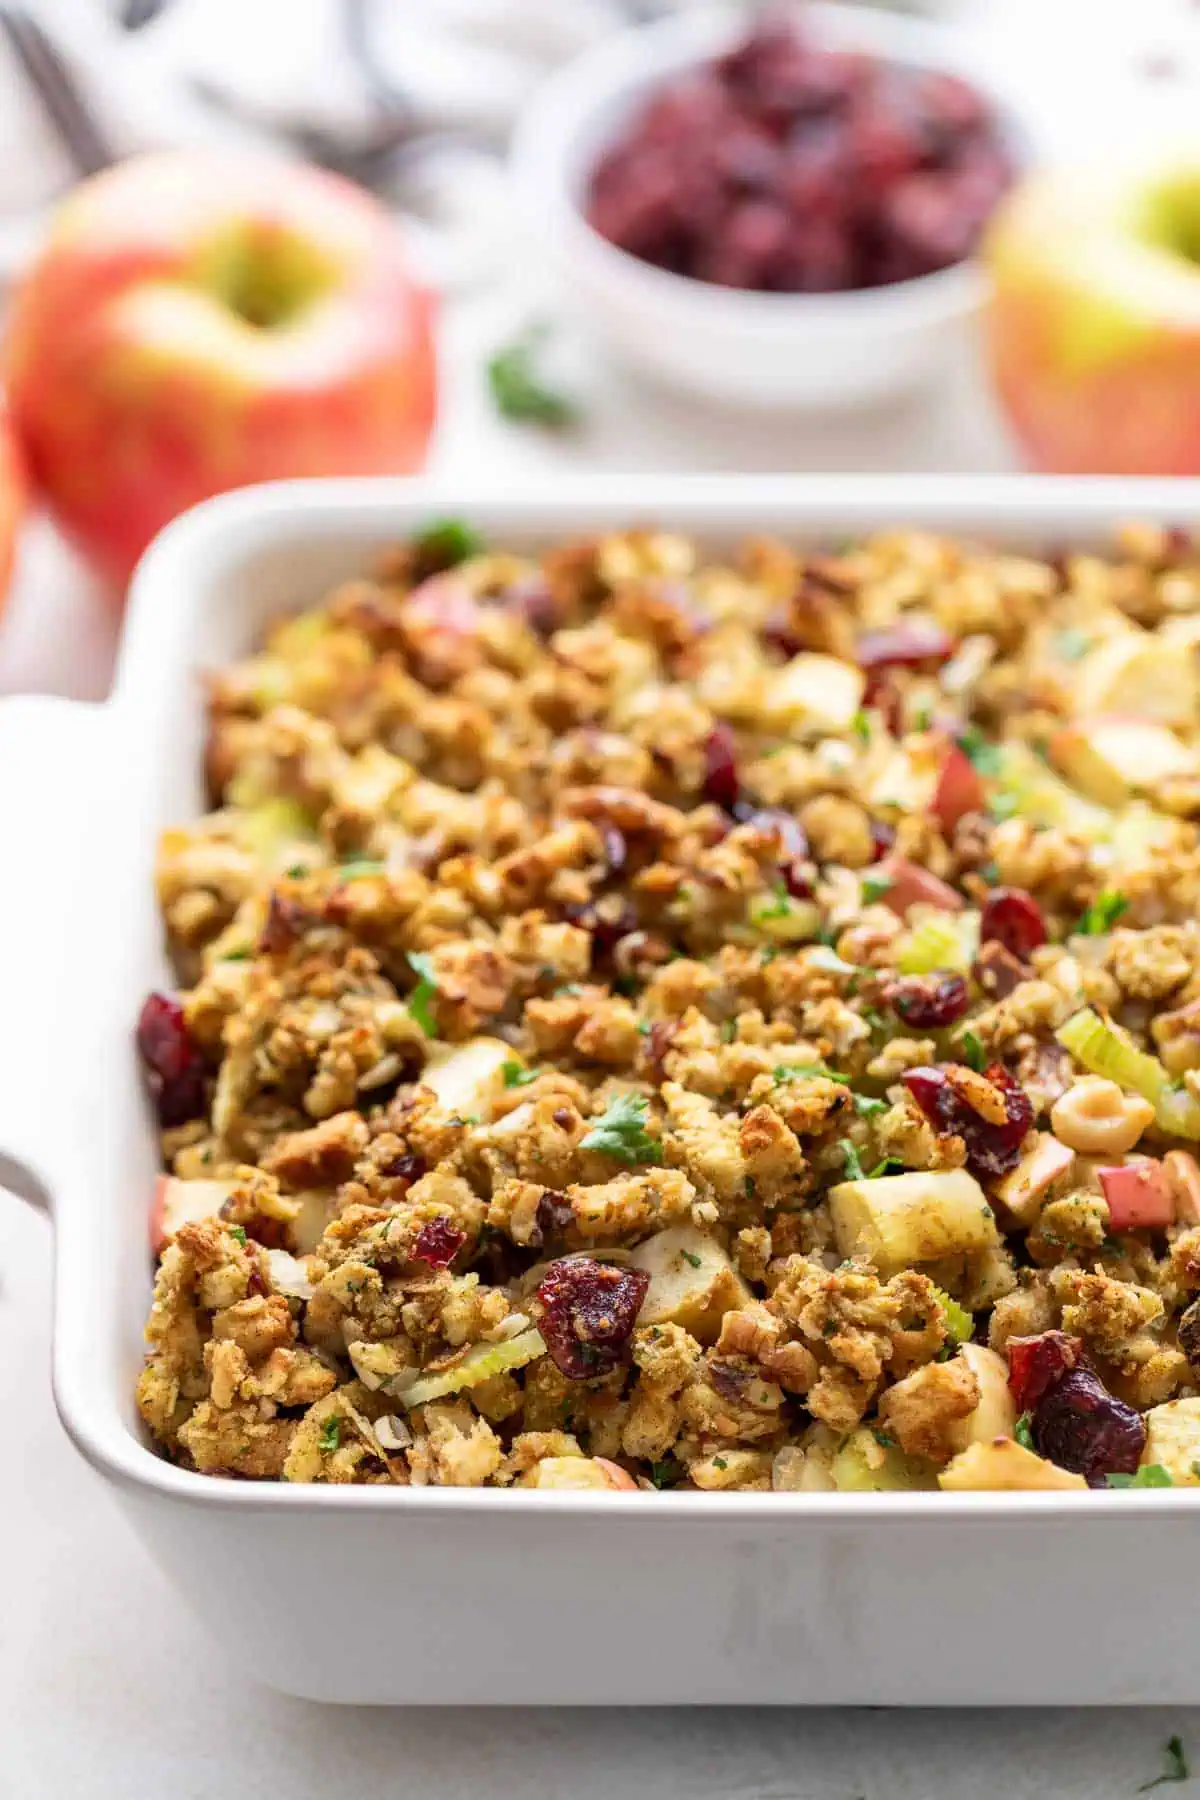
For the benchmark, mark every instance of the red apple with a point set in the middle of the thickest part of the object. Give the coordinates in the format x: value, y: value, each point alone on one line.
x: 1093, y: 327
x: 958, y: 789
x: 196, y: 323
x: 909, y: 884
x: 1138, y: 1194
x: 14, y: 492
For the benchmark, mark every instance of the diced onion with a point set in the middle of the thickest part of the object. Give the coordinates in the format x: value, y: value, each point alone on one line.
x: 289, y: 1275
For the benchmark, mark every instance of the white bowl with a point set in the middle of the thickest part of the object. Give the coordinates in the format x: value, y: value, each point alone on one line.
x: 470, y: 1595
x: 729, y: 344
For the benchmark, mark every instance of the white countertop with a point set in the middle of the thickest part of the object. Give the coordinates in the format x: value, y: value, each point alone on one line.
x: 108, y: 1691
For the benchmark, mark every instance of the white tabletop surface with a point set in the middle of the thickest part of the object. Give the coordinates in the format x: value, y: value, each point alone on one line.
x: 107, y: 1689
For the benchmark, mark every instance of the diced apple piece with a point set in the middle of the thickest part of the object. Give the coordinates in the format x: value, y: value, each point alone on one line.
x: 910, y: 885
x: 1138, y: 1194
x: 469, y: 1078
x: 958, y: 789
x: 1173, y: 1440
x: 813, y: 693
x: 1110, y: 760
x: 1137, y: 675
x: 919, y: 1217
x: 865, y: 1466
x: 995, y: 1415
x: 1024, y: 1189
x: 1004, y: 1466
x: 573, y: 1473
x: 177, y: 1203
x: 308, y: 1227
x: 692, y: 1282
x: 1183, y: 1173
x: 1036, y: 794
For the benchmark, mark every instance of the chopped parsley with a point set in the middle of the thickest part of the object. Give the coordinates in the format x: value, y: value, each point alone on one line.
x: 868, y: 1107
x: 1150, y: 1475
x: 1103, y: 913
x: 861, y: 726
x: 874, y: 887
x: 874, y: 1018
x: 779, y: 908
x: 238, y: 1232
x: 883, y: 1439
x: 851, y: 1161
x: 620, y: 1132
x: 1023, y: 1431
x: 979, y: 750
x: 517, y: 389
x: 891, y: 1165
x: 296, y: 871
x: 423, y: 993
x: 808, y: 1072
x: 331, y: 1436
x: 1175, y: 1766
x: 666, y: 1473
x: 445, y: 543
x: 517, y: 1075
x: 728, y: 1030
x: 719, y: 1462
x: 691, y: 1257
x: 972, y: 1049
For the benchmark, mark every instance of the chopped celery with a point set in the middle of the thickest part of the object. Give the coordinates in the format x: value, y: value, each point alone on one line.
x: 958, y: 1321
x: 947, y: 941
x: 479, y: 1364
x: 784, y: 920
x: 268, y: 826
x: 1103, y: 1050
x: 870, y: 1462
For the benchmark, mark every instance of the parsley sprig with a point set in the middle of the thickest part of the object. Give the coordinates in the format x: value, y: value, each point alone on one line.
x: 516, y: 1075
x: 1103, y: 913
x: 423, y: 993
x: 1175, y: 1766
x: 518, y: 390
x: 620, y: 1132
x: 1150, y: 1475
x: 445, y: 543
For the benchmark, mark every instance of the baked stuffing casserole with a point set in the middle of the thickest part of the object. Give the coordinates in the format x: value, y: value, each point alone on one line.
x: 655, y: 1022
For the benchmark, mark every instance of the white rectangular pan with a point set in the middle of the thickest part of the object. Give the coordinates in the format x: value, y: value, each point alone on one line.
x: 522, y: 1597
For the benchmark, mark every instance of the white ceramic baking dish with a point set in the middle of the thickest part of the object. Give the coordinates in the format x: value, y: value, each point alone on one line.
x: 444, y: 1595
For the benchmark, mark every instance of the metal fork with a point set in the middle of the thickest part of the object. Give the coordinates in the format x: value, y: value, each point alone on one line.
x: 75, y: 123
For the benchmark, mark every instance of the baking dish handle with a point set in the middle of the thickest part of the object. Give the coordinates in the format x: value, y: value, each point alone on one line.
x: 49, y: 755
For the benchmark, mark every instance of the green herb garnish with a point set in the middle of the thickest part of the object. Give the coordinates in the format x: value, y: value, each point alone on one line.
x: 423, y: 993
x: 874, y: 887
x: 851, y: 1161
x: 517, y: 1075
x: 868, y: 1107
x: 891, y: 1165
x: 1175, y: 1766
x: 973, y: 1052
x: 620, y: 1132
x: 517, y: 390
x: 979, y: 750
x: 1150, y: 1475
x: 1023, y: 1431
x: 728, y: 1030
x: 691, y: 1257
x: 861, y: 726
x: 806, y: 1072
x: 331, y: 1435
x: 666, y: 1473
x: 238, y: 1232
x: 445, y: 543
x: 719, y: 1462
x: 1103, y: 913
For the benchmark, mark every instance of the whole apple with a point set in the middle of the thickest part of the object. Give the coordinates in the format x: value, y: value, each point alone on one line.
x: 14, y: 493
x: 195, y: 323
x: 1093, y: 326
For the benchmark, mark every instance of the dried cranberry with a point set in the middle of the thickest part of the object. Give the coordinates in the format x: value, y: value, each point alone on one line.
x: 1035, y: 1364
x: 589, y: 1310
x: 882, y: 839
x: 438, y: 1243
x: 944, y: 1095
x: 721, y: 785
x: 904, y: 646
x: 928, y: 1002
x: 553, y: 1215
x: 172, y: 1065
x: 1080, y: 1426
x: 608, y: 919
x: 407, y: 1166
x: 1013, y: 918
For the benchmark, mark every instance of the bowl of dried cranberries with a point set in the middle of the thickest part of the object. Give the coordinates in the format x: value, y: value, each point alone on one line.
x: 775, y: 215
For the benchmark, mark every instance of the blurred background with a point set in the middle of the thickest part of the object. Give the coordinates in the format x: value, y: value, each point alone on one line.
x: 637, y: 259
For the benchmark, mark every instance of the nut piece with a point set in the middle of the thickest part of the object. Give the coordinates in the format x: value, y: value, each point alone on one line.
x: 1183, y: 1174
x: 1097, y: 1119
